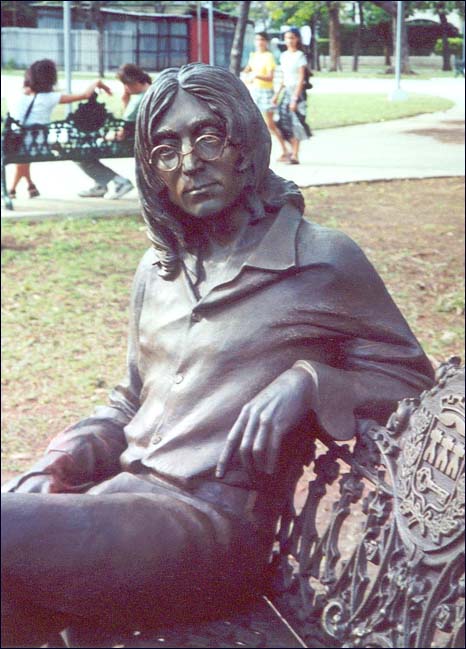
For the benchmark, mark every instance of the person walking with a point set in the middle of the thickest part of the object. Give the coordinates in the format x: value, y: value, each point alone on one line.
x: 292, y: 105
x: 261, y: 68
x: 135, y: 83
x: 36, y: 105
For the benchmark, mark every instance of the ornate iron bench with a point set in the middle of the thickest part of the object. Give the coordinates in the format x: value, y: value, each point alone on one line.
x: 89, y: 133
x: 369, y: 552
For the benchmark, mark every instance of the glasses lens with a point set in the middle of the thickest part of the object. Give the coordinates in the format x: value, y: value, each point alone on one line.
x: 165, y: 158
x: 208, y: 147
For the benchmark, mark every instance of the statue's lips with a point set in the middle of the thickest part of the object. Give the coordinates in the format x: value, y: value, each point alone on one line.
x: 202, y: 189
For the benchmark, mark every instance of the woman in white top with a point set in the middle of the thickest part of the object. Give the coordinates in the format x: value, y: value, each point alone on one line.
x: 36, y: 105
x: 292, y: 108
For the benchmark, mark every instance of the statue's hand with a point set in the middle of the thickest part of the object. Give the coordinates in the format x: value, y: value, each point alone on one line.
x: 49, y: 475
x: 33, y: 484
x: 264, y: 422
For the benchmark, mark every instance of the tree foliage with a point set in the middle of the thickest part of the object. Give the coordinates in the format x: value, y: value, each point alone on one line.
x: 295, y: 12
x: 17, y: 14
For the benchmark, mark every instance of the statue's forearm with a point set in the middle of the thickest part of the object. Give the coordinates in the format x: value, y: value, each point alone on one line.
x: 342, y: 395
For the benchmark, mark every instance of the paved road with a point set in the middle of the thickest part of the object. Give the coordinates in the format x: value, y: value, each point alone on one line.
x: 429, y: 145
x: 415, y: 147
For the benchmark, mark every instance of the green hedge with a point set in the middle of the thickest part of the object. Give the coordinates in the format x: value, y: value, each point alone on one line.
x: 422, y: 36
x: 455, y: 46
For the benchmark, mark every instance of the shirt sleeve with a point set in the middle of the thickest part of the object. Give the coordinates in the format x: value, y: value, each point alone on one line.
x: 375, y: 360
x: 95, y: 444
x: 271, y: 65
x: 20, y: 107
x: 132, y: 109
x: 301, y: 60
x: 53, y: 99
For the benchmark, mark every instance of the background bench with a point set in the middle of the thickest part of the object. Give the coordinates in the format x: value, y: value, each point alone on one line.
x: 370, y: 549
x: 89, y: 133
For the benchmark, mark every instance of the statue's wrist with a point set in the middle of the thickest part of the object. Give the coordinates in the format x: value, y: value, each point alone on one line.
x: 309, y: 376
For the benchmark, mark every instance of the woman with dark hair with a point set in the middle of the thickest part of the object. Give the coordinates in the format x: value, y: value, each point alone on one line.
x: 292, y: 108
x: 36, y: 106
x: 135, y: 83
x: 249, y: 328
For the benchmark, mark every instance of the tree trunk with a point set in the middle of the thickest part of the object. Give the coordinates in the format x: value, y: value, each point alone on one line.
x: 405, y: 64
x: 334, y: 36
x: 388, y: 46
x: 101, y: 48
x: 357, y: 40
x: 446, y: 66
x: 314, y: 45
x: 238, y: 38
x: 98, y: 19
x: 391, y: 8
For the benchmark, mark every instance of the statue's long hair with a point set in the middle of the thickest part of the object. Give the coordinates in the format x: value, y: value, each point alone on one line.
x: 227, y: 97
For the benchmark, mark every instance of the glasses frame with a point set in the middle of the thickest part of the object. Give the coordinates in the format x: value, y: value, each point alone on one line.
x: 182, y: 155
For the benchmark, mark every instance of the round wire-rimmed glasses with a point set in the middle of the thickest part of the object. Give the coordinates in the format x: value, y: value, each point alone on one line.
x: 208, y: 147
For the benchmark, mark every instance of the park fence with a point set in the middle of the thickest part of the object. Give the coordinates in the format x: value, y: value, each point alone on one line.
x: 22, y: 46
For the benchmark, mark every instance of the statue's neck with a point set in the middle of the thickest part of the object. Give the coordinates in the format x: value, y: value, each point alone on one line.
x: 215, y: 236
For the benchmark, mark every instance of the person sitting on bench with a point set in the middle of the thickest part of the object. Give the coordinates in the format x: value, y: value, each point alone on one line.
x: 135, y: 83
x: 249, y: 327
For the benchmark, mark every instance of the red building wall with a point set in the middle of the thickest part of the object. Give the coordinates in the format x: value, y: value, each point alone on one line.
x: 193, y: 54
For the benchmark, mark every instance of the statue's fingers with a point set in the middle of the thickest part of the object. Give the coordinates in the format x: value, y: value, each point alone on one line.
x: 247, y: 441
x: 259, y: 450
x: 231, y: 445
x: 273, y: 449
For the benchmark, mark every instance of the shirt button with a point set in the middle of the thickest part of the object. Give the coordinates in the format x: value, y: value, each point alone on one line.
x: 156, y: 439
x: 195, y: 317
x: 178, y: 378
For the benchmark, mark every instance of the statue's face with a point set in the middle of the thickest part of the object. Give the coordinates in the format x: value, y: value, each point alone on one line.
x: 200, y: 187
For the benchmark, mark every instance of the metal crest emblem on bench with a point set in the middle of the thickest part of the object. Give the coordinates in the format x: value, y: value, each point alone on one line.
x: 415, y: 594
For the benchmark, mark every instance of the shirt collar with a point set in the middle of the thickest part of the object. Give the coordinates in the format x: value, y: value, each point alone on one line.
x: 275, y: 252
x: 277, y: 249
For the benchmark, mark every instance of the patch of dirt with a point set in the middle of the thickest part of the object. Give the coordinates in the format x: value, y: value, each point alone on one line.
x: 10, y: 243
x: 453, y: 135
x: 455, y: 122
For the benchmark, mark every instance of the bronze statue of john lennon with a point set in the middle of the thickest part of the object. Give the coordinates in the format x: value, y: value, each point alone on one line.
x: 247, y: 323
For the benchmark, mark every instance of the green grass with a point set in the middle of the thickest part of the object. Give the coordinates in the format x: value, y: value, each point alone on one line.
x: 343, y: 109
x: 328, y: 110
x: 64, y: 326
x: 379, y: 73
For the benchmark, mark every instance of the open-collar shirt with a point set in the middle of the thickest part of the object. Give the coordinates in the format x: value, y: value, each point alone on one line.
x: 291, y: 291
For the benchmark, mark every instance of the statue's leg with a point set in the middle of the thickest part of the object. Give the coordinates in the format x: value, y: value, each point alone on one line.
x: 122, y: 558
x: 27, y: 625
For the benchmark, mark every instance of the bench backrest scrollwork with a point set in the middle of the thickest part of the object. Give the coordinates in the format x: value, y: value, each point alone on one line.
x: 382, y: 565
x: 90, y: 132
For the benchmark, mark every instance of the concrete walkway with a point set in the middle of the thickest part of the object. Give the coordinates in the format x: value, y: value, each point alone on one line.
x: 430, y: 145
